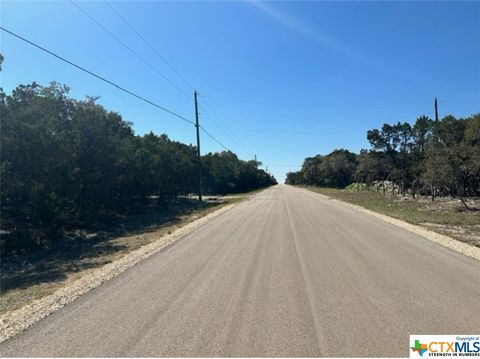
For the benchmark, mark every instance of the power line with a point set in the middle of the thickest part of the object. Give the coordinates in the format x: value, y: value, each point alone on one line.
x: 299, y: 120
x: 97, y: 76
x: 312, y: 132
x: 225, y: 129
x: 171, y: 67
x: 156, y: 52
x: 149, y: 44
x: 309, y: 105
x: 459, y: 102
x: 141, y: 58
x: 111, y: 83
x: 213, y: 138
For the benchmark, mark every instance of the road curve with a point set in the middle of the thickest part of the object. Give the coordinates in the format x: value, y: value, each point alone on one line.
x: 287, y: 273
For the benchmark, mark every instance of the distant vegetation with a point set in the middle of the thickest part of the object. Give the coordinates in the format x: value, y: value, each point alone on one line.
x: 431, y: 157
x: 66, y: 162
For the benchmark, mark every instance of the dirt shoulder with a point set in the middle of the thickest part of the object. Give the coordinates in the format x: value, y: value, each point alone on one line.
x: 446, y: 216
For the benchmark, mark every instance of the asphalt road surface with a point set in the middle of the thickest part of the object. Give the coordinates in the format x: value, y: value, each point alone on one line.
x: 287, y: 273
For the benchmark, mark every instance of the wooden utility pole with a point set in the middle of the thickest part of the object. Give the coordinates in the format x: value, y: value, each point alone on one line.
x: 436, y: 109
x: 197, y: 126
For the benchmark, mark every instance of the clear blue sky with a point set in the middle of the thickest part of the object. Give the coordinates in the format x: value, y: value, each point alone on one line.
x: 306, y: 77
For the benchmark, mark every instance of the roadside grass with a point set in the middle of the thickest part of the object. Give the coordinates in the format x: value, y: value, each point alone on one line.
x: 445, y: 215
x: 26, y: 279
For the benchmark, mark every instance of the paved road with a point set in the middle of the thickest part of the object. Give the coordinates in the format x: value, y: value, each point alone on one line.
x: 288, y: 273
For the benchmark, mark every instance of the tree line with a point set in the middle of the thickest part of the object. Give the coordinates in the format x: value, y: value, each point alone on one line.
x: 67, y: 161
x: 430, y: 157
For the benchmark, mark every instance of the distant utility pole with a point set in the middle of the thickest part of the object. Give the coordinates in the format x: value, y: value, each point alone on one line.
x: 255, y: 158
x: 197, y: 126
x: 436, y: 109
